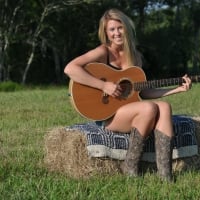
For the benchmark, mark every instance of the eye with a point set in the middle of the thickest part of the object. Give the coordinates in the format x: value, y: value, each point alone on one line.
x: 111, y: 29
x: 121, y: 28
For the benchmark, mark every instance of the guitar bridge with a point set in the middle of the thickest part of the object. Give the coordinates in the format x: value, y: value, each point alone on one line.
x: 105, y: 98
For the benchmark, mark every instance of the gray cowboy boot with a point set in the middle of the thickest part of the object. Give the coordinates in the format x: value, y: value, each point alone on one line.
x: 130, y: 166
x: 163, y: 148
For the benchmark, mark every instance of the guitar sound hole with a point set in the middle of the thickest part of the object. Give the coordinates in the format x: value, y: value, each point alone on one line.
x: 127, y: 88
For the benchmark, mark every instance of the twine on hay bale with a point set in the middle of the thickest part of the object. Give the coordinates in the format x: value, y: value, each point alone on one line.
x: 65, y: 151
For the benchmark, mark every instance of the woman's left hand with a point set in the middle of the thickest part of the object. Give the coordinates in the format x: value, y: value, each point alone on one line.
x: 187, y: 83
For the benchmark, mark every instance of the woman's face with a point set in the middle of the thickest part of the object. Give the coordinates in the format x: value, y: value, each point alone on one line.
x: 115, y: 32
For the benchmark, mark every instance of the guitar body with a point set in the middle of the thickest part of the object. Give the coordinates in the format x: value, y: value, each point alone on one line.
x: 95, y: 104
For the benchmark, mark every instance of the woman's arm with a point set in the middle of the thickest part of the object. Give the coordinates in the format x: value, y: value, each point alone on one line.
x: 157, y: 93
x: 75, y: 70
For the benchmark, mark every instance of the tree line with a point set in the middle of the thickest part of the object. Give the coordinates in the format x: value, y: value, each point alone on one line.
x: 38, y: 37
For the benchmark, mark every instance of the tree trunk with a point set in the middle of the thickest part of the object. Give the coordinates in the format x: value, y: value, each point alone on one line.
x: 57, y: 64
x: 30, y: 60
x: 1, y: 62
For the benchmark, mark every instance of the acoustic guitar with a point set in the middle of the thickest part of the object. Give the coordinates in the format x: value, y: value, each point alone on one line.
x: 94, y: 104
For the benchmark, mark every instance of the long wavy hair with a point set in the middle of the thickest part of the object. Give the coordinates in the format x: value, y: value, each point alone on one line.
x: 133, y: 56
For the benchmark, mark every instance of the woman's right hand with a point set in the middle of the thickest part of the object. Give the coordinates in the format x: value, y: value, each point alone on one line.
x: 112, y: 89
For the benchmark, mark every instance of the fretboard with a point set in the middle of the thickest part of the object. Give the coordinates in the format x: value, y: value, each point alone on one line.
x: 138, y: 86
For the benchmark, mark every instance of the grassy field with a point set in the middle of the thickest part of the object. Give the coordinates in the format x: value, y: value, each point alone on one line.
x: 25, y: 118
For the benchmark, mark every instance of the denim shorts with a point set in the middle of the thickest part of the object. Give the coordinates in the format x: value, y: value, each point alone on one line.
x: 101, y: 123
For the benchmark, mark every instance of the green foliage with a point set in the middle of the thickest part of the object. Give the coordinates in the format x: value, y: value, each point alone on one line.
x: 9, y: 86
x: 26, y: 118
x: 166, y: 40
x: 39, y: 37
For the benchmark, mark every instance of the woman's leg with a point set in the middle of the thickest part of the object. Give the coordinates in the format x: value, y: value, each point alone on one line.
x: 164, y: 141
x: 164, y: 118
x: 141, y: 115
x: 138, y: 118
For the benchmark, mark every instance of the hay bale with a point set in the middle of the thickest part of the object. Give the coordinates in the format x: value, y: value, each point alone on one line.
x: 197, y: 129
x: 65, y: 151
x: 192, y: 162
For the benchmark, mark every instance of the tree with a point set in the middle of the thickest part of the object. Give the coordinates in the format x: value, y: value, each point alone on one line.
x: 8, y: 33
x: 38, y: 37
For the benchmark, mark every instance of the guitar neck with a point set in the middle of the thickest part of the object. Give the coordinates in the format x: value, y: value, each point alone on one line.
x: 138, y: 86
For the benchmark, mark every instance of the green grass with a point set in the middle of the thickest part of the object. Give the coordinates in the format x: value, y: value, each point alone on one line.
x: 25, y: 118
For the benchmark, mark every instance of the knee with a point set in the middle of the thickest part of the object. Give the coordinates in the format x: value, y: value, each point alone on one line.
x: 151, y: 109
x: 165, y: 107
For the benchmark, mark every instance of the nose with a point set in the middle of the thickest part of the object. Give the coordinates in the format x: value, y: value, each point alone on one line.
x: 117, y: 31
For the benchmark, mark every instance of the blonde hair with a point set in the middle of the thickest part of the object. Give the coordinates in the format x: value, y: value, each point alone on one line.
x: 133, y: 57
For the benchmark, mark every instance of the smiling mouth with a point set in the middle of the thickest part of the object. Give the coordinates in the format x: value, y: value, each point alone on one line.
x: 118, y: 39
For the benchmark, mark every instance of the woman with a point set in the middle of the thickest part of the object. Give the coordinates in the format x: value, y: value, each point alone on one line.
x: 116, y: 33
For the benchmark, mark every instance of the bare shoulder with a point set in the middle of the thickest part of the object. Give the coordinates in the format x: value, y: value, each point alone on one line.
x: 98, y: 54
x: 102, y: 50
